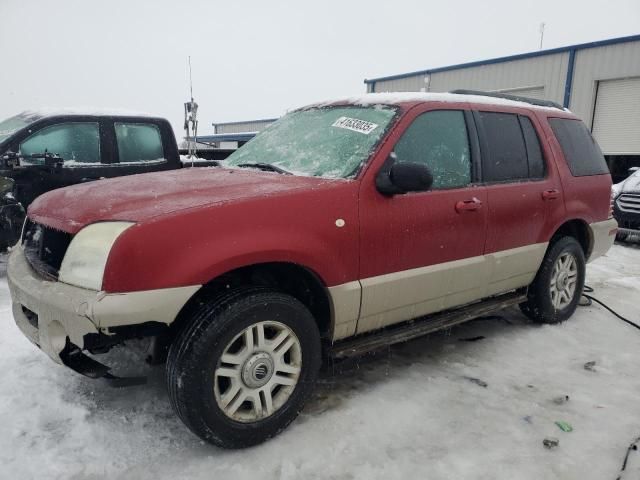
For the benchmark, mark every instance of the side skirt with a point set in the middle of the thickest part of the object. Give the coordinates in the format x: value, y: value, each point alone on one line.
x: 403, y: 332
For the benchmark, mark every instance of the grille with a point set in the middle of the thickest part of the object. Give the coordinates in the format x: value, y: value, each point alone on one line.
x: 628, y: 202
x: 44, y: 248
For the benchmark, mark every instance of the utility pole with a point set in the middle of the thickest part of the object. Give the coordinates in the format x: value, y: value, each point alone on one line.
x: 541, y: 34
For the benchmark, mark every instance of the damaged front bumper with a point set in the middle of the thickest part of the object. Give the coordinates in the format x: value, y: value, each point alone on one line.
x: 63, y: 320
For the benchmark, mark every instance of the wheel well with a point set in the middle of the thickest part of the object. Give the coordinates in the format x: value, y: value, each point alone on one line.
x: 295, y: 280
x: 577, y: 229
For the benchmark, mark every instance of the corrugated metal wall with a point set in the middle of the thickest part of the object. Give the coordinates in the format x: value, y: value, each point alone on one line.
x: 407, y: 84
x: 600, y: 63
x: 241, y: 127
x: 547, y: 72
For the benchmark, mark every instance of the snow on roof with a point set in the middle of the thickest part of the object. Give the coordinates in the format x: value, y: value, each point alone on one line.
x: 394, y: 98
x: 52, y: 112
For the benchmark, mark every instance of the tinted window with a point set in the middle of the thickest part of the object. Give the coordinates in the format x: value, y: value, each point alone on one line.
x: 74, y: 142
x: 581, y: 151
x: 139, y: 142
x: 534, y: 151
x: 505, y: 157
x: 439, y: 140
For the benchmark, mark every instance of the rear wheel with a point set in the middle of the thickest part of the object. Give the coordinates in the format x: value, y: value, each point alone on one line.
x: 242, y: 370
x: 555, y: 291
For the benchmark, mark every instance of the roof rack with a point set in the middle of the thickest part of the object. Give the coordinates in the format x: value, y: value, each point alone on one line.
x: 532, y: 101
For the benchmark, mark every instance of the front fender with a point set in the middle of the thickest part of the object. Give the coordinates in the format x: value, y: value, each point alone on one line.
x: 195, y: 247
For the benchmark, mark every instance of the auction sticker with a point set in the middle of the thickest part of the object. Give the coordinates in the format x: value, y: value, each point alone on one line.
x: 356, y: 125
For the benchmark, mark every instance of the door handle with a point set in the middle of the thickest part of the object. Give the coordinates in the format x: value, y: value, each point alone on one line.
x: 551, y: 194
x: 468, y: 205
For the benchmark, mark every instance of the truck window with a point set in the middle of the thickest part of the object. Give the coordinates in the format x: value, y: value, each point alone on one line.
x: 139, y: 142
x: 74, y: 142
x: 506, y: 155
x: 439, y: 140
x: 582, y: 153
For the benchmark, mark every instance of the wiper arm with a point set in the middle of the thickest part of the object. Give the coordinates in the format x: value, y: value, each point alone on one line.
x: 265, y: 166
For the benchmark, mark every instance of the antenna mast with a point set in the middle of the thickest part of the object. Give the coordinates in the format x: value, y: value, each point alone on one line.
x: 541, y: 34
x: 191, y: 118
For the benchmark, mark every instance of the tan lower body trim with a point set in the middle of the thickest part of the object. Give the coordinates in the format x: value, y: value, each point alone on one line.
x: 345, y: 308
x: 400, y: 296
x: 602, y: 237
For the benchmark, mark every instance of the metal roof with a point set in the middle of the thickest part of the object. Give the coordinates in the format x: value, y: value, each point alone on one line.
x: 245, y: 121
x: 520, y: 56
x: 226, y: 137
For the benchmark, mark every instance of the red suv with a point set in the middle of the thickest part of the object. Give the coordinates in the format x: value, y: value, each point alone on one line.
x: 321, y: 237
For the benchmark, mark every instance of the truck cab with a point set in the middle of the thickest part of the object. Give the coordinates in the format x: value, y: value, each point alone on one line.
x: 44, y: 150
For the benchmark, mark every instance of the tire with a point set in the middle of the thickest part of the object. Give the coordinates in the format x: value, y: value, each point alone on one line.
x: 539, y: 306
x: 622, y: 237
x: 203, y: 392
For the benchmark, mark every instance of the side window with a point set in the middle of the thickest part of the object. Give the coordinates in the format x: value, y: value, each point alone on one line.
x: 582, y: 153
x: 138, y: 142
x: 506, y: 158
x: 439, y: 140
x: 534, y: 151
x: 74, y: 142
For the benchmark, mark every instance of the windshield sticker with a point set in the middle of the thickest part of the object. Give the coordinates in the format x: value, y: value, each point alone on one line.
x: 355, y: 125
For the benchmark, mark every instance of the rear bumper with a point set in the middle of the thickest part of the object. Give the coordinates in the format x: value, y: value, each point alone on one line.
x: 603, y: 234
x: 48, y: 313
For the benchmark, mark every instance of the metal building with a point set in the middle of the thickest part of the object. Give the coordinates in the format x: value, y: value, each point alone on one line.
x: 243, y: 127
x: 232, y: 135
x: 598, y: 81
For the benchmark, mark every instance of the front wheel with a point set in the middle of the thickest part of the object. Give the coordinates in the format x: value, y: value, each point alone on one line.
x: 242, y: 370
x: 555, y: 291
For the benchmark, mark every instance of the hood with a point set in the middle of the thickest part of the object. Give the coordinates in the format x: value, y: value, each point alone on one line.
x: 142, y: 197
x: 630, y: 185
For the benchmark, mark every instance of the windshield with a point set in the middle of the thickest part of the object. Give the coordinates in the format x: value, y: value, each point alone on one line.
x: 330, y: 142
x: 11, y: 125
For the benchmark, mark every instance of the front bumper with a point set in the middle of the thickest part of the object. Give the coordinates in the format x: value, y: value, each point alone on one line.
x: 628, y: 222
x: 52, y: 314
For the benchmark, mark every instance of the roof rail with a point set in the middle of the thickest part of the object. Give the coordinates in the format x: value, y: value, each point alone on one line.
x: 532, y: 101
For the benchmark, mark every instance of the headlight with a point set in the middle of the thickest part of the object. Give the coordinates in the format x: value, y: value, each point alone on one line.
x: 83, y: 264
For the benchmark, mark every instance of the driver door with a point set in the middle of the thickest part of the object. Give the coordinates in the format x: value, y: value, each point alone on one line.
x: 80, y: 145
x: 422, y: 252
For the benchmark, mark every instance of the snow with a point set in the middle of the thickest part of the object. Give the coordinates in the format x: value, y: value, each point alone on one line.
x: 54, y: 111
x: 414, y: 411
x: 631, y: 183
x: 401, y: 97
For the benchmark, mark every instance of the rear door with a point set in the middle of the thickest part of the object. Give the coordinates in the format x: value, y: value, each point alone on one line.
x: 142, y: 145
x: 421, y: 252
x: 522, y: 188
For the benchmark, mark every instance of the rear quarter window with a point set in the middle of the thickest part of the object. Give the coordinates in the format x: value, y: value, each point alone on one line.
x: 582, y: 153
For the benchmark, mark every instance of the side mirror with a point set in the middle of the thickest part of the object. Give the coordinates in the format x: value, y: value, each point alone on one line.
x: 10, y: 160
x: 396, y: 178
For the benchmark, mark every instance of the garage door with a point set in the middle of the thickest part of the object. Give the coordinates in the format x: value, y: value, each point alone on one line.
x: 616, y: 120
x: 531, y: 92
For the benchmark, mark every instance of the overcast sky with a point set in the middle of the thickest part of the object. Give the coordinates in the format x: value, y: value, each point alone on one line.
x: 256, y: 59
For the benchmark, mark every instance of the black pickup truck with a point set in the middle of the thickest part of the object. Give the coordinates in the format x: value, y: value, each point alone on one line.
x: 41, y: 151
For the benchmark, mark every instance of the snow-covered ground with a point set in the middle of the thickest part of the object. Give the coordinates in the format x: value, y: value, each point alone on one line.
x: 411, y: 412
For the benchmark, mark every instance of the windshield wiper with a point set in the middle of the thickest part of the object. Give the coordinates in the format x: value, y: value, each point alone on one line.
x: 265, y: 166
